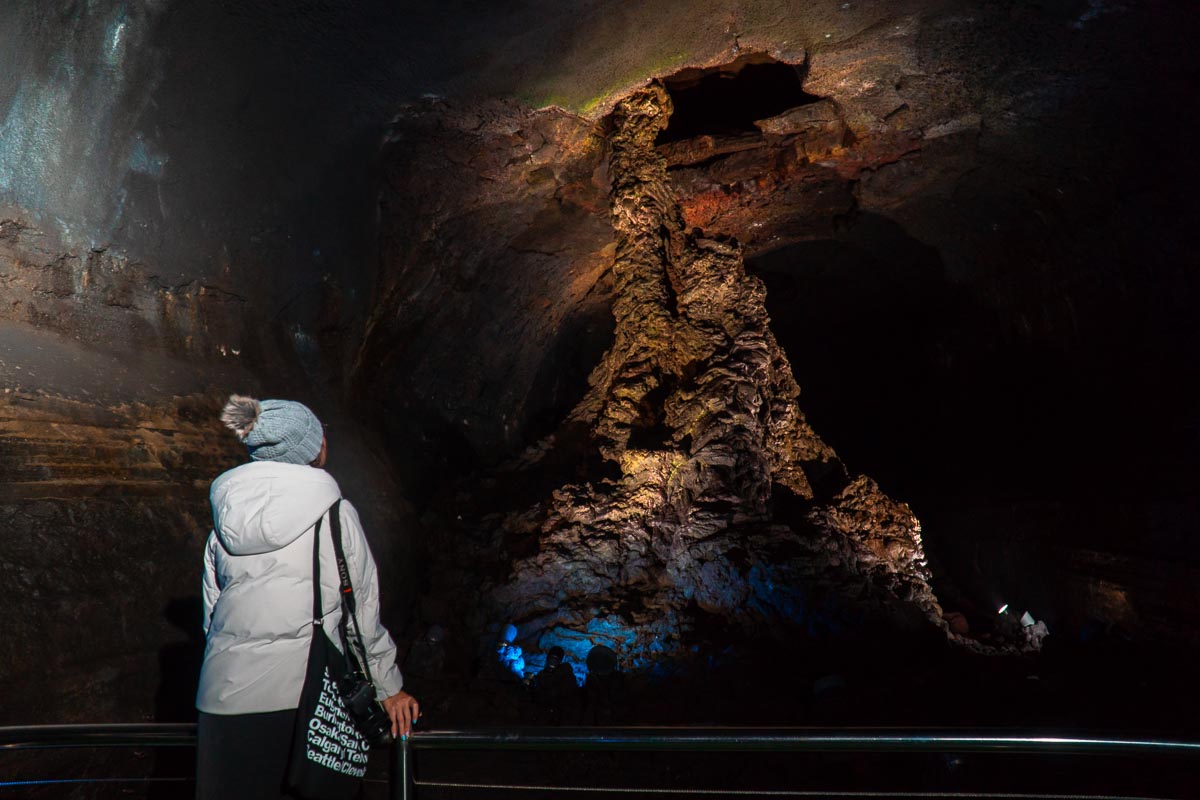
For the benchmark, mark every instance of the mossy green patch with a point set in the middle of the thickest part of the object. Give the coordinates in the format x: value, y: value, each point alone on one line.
x: 581, y: 99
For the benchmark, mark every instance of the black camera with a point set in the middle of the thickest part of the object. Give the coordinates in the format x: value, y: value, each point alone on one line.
x: 368, y: 714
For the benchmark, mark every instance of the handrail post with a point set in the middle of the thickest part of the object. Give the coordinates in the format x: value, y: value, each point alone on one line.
x: 401, y: 775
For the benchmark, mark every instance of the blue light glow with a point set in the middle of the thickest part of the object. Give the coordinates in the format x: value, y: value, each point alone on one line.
x: 611, y: 631
x: 771, y: 599
x: 512, y: 658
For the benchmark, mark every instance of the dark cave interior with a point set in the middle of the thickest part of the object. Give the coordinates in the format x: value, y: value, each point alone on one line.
x: 729, y: 99
x: 977, y: 239
x: 1006, y: 424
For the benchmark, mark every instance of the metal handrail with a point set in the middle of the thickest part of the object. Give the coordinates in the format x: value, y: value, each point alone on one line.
x: 783, y: 739
x: 403, y: 783
x: 40, y: 737
x: 26, y: 737
x: 401, y: 778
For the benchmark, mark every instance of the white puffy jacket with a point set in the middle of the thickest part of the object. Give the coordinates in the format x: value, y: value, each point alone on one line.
x: 258, y: 597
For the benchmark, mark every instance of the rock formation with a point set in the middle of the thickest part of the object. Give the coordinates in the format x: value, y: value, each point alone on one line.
x: 725, y: 504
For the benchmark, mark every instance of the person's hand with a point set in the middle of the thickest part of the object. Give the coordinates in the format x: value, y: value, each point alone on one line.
x: 403, y: 710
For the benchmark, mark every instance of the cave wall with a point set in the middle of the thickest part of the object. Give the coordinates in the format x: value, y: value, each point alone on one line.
x: 189, y: 206
x: 109, y: 438
x: 194, y: 137
x: 1008, y: 286
x: 973, y: 259
x: 162, y: 245
x: 493, y: 300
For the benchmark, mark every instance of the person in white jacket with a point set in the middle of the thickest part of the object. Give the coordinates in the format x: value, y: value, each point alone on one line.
x: 258, y: 597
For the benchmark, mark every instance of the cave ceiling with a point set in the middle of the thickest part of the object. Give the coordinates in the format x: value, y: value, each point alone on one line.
x: 963, y: 235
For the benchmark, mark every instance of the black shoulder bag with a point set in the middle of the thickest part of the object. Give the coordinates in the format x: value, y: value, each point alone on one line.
x: 338, y: 717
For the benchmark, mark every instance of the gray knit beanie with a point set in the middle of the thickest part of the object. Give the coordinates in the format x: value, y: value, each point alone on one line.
x: 275, y: 430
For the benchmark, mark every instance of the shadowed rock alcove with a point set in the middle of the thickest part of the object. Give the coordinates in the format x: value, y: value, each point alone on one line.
x: 728, y: 99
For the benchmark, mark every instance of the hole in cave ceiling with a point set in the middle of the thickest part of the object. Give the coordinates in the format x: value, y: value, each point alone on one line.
x: 728, y: 99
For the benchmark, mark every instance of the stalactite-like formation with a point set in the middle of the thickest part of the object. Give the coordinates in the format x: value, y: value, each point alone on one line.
x: 727, y: 502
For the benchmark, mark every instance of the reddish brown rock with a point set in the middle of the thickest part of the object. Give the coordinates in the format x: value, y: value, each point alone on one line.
x: 696, y: 406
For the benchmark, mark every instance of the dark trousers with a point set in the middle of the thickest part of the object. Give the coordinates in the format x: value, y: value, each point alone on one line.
x: 243, y: 756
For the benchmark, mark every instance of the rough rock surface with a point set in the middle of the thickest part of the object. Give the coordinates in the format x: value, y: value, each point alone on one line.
x: 104, y: 508
x: 104, y: 512
x: 967, y: 270
x: 110, y: 387
x: 695, y: 404
x: 493, y: 296
x: 978, y: 245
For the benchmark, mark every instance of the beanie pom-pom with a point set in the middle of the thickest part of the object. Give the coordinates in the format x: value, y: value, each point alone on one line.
x: 240, y: 414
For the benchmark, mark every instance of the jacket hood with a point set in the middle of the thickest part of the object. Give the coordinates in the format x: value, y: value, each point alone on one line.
x: 265, y: 505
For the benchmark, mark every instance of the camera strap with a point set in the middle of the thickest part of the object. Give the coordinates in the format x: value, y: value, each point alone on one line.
x: 318, y: 610
x: 357, y: 659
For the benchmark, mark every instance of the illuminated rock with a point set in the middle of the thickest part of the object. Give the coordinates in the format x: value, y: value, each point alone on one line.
x: 696, y: 405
